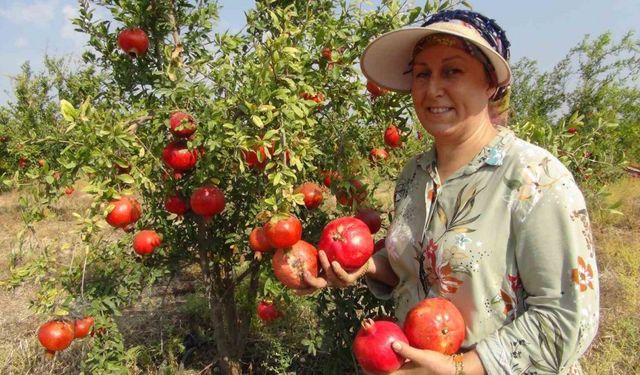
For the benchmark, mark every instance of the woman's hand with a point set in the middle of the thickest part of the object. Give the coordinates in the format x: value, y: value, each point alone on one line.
x: 334, y: 275
x: 422, y: 362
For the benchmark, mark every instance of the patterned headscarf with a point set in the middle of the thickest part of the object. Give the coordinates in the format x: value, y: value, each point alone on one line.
x: 488, y: 29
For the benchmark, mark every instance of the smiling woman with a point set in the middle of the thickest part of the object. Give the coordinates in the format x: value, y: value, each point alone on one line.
x: 483, y: 219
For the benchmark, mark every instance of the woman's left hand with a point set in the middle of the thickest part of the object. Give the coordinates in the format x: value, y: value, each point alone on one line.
x: 422, y: 362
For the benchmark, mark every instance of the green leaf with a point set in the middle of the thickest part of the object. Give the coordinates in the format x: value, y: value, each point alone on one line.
x: 127, y: 179
x: 68, y: 112
x: 257, y: 121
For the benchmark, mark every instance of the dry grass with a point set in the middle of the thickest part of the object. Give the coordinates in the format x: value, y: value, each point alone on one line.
x: 613, y: 352
x: 617, y: 239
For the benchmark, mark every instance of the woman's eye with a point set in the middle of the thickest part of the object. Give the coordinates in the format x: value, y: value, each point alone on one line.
x: 452, y: 72
x: 422, y: 74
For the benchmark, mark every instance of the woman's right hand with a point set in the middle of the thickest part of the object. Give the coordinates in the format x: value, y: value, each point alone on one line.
x: 332, y: 275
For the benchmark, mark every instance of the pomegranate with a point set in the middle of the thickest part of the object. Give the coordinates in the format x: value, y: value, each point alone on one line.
x: 392, y: 136
x: 318, y: 97
x: 283, y: 232
x: 82, y: 327
x: 326, y: 53
x: 56, y: 335
x: 207, y: 201
x: 133, y: 41
x: 312, y: 194
x: 375, y: 90
x: 181, y: 124
x: 378, y: 154
x: 370, y: 217
x: 179, y: 157
x: 258, y: 240
x: 289, y: 264
x: 355, y: 191
x: 572, y: 130
x: 348, y: 241
x: 146, y: 241
x: 435, y: 324
x: 267, y: 311
x: 329, y: 176
x: 372, y: 346
x: 176, y: 205
x: 69, y: 190
x: 124, y: 213
x: 258, y: 162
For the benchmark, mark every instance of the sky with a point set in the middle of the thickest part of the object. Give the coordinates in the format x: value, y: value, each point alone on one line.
x: 542, y: 30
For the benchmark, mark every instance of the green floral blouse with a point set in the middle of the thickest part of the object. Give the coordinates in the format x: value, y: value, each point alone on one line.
x: 507, y: 239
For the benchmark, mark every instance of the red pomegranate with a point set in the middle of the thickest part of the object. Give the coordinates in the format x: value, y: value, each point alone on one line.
x: 312, y: 194
x: 69, y: 190
x: 124, y: 213
x: 370, y: 217
x: 378, y: 154
x: 392, y: 136
x: 133, y: 41
x: 289, y: 264
x: 375, y: 90
x: 372, y: 346
x: 146, y: 241
x: 56, y: 335
x: 179, y: 157
x: 329, y: 176
x: 283, y: 232
x: 326, y: 53
x: 83, y: 326
x: 355, y: 191
x: 267, y: 311
x: 258, y: 240
x: 181, y: 124
x: 207, y: 201
x: 435, y: 324
x: 257, y: 157
x: 176, y: 205
x: 348, y: 241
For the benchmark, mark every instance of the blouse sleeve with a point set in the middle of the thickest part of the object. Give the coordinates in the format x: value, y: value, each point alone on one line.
x: 557, y: 266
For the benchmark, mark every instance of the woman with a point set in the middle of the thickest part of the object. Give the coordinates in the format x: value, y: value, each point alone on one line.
x: 494, y: 224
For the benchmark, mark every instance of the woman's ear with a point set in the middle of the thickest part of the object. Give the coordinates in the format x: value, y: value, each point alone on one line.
x: 491, y: 91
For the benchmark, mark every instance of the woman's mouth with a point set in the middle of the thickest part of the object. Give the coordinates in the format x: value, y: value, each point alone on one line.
x: 439, y: 110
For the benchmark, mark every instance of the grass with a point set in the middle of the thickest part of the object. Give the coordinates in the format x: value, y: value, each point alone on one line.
x: 613, y: 352
x: 617, y: 238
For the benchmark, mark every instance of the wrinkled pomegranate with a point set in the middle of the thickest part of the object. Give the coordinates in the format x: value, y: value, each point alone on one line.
x: 289, y: 264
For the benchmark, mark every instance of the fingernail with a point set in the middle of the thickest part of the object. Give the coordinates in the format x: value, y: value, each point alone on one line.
x: 396, y: 345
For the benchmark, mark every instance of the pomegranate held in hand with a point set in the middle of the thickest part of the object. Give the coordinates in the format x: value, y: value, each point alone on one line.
x: 207, y: 201
x: 435, y: 324
x: 146, y: 241
x: 83, y: 326
x: 125, y: 212
x: 348, y: 241
x: 258, y: 240
x: 56, y: 335
x: 267, y: 311
x: 283, y: 233
x: 289, y: 264
x: 133, y: 41
x: 181, y: 124
x: 372, y: 346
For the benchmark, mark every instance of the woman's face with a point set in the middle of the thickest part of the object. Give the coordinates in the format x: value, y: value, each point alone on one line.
x: 450, y: 91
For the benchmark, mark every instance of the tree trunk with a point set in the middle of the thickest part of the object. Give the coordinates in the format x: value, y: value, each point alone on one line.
x: 230, y: 325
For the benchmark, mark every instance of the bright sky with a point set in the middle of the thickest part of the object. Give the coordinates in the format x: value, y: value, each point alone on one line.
x: 543, y: 30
